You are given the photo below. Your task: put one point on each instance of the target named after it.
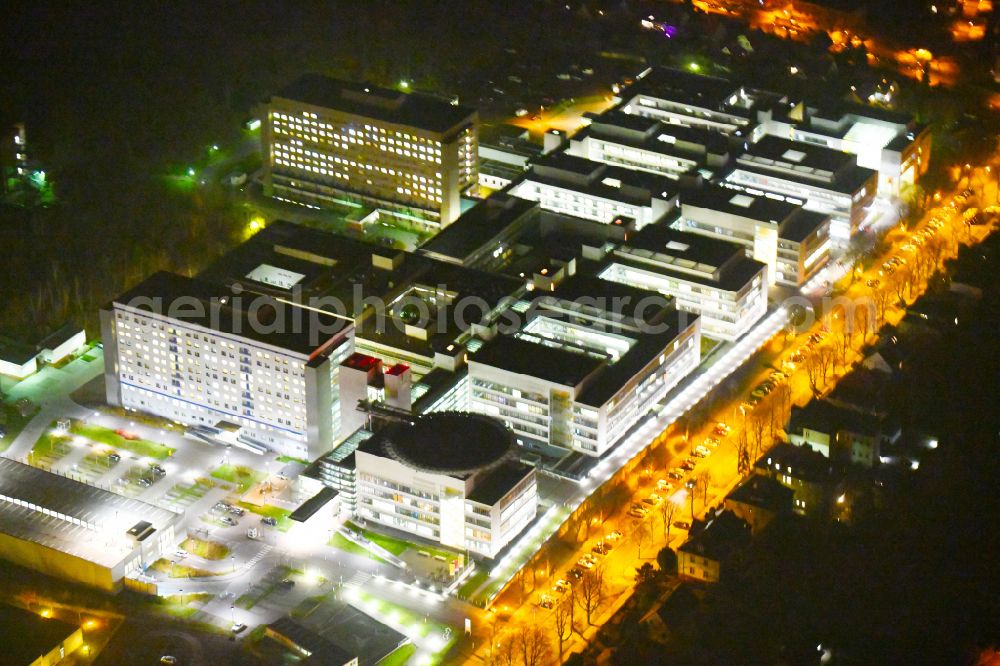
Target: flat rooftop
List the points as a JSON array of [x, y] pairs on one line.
[[490, 219], [651, 134], [214, 307], [415, 110], [690, 257], [734, 202], [678, 85], [493, 485], [89, 522], [798, 155], [29, 636], [802, 224], [551, 364], [601, 180]]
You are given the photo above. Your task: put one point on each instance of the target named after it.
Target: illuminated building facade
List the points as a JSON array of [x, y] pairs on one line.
[[448, 477], [592, 359], [327, 141], [194, 353]]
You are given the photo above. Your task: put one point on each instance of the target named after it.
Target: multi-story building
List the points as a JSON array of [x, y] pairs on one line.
[[712, 278], [887, 141], [758, 501], [603, 193], [648, 144], [684, 98], [842, 434], [504, 154], [589, 361], [792, 242], [327, 140], [810, 475], [708, 550], [448, 477], [820, 179], [201, 355]]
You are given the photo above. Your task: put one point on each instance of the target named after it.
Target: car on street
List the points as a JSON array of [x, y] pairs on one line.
[[721, 429], [682, 524], [268, 520], [114, 457], [676, 475], [561, 586], [601, 548], [702, 451], [585, 563], [238, 627], [637, 512], [614, 535], [144, 482], [545, 602], [576, 573], [228, 520], [236, 511], [711, 441], [168, 659], [750, 402], [652, 500], [688, 465]]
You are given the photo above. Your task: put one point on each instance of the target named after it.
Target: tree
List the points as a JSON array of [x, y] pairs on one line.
[[882, 298], [563, 620], [815, 371], [667, 510], [532, 644], [667, 559], [703, 482], [504, 650], [742, 442], [756, 426], [641, 532], [591, 587], [646, 573]]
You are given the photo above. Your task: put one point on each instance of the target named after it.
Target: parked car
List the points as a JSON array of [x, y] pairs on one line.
[[545, 602], [114, 458], [702, 451], [721, 429], [687, 465], [601, 548], [561, 586], [585, 563], [228, 520], [268, 520], [145, 482], [576, 573], [236, 511], [238, 627], [682, 524], [652, 500], [676, 475], [711, 441], [168, 659], [636, 512], [614, 535], [287, 584]]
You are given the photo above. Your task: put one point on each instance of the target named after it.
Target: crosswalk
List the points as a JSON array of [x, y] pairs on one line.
[[265, 549], [359, 579]]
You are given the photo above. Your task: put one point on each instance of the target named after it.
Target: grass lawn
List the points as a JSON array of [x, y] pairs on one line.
[[50, 446], [140, 447], [181, 605], [400, 656], [290, 459], [179, 570], [473, 583], [243, 477], [395, 546], [707, 345], [210, 550], [340, 542], [270, 511]]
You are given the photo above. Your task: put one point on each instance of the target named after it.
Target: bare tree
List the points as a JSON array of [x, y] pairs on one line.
[[756, 427], [742, 442], [881, 298], [591, 587], [532, 643], [703, 482], [641, 533], [816, 370], [563, 620], [504, 650], [667, 510]]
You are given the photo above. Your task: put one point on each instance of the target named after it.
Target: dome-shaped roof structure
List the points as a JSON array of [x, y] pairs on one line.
[[455, 443]]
